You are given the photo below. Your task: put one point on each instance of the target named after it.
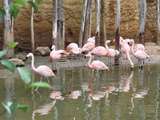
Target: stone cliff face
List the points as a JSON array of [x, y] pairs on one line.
[[73, 9]]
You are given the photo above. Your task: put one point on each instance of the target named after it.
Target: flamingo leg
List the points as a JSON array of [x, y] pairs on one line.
[[129, 58]]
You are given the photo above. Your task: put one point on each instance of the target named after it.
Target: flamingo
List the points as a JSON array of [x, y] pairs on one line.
[[136, 46], [57, 54], [110, 51], [73, 48], [125, 50], [42, 70], [89, 45], [91, 39], [96, 64], [99, 51], [141, 55]]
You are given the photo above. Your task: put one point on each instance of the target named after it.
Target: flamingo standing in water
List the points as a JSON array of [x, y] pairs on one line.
[[42, 70], [89, 45], [140, 54], [57, 54], [111, 53], [136, 46], [125, 50], [96, 64], [73, 48]]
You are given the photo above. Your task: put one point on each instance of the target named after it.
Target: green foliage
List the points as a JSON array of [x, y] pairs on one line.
[[22, 107], [3, 53], [35, 4], [2, 12], [11, 107], [8, 65], [25, 74], [20, 3], [12, 45], [14, 10], [16, 6], [40, 85]]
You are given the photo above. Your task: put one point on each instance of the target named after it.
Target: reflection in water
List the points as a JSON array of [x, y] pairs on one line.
[[119, 94], [43, 110], [9, 97]]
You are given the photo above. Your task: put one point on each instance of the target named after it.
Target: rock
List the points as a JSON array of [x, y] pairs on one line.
[[150, 44], [21, 56], [43, 51], [17, 61]]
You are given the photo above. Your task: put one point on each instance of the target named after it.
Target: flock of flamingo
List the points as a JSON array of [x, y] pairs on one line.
[[127, 48]]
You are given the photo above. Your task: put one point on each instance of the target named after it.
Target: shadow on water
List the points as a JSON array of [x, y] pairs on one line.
[[118, 94]]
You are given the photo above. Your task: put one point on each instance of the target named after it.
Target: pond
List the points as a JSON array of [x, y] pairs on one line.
[[118, 94]]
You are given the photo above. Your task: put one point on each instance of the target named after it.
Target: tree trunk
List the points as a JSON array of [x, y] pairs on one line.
[[102, 24], [58, 25], [98, 21], [117, 35], [32, 30], [158, 22], [142, 17], [8, 28], [85, 22]]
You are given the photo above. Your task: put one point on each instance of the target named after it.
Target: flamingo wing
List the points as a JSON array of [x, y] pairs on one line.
[[100, 51], [44, 71], [99, 65]]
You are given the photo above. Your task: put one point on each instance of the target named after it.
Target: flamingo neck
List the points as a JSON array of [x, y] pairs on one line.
[[54, 49], [89, 61], [106, 46], [132, 49], [32, 63]]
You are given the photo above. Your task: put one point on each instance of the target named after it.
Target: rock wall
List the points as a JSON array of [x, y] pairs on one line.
[[73, 10]]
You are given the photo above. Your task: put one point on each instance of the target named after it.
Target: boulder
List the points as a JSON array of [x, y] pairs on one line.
[[17, 61], [43, 51]]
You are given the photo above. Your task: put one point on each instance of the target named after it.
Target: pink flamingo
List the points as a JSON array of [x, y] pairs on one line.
[[136, 46], [125, 50], [91, 39], [111, 52], [99, 51], [73, 48], [57, 54], [96, 64], [89, 45], [140, 54], [42, 70]]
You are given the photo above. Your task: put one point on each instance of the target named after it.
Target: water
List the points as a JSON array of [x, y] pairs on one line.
[[129, 95]]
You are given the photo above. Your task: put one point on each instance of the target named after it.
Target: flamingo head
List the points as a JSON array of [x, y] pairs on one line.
[[117, 52], [107, 42], [53, 47], [91, 39], [89, 55], [29, 55], [130, 41]]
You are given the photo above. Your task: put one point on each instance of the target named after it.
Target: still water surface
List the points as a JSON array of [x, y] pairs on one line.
[[118, 94]]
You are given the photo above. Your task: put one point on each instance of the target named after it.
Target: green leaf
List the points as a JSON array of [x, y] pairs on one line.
[[12, 44], [25, 74], [22, 107], [8, 65], [3, 53], [20, 2], [14, 10], [2, 12], [40, 85], [34, 5], [10, 107]]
